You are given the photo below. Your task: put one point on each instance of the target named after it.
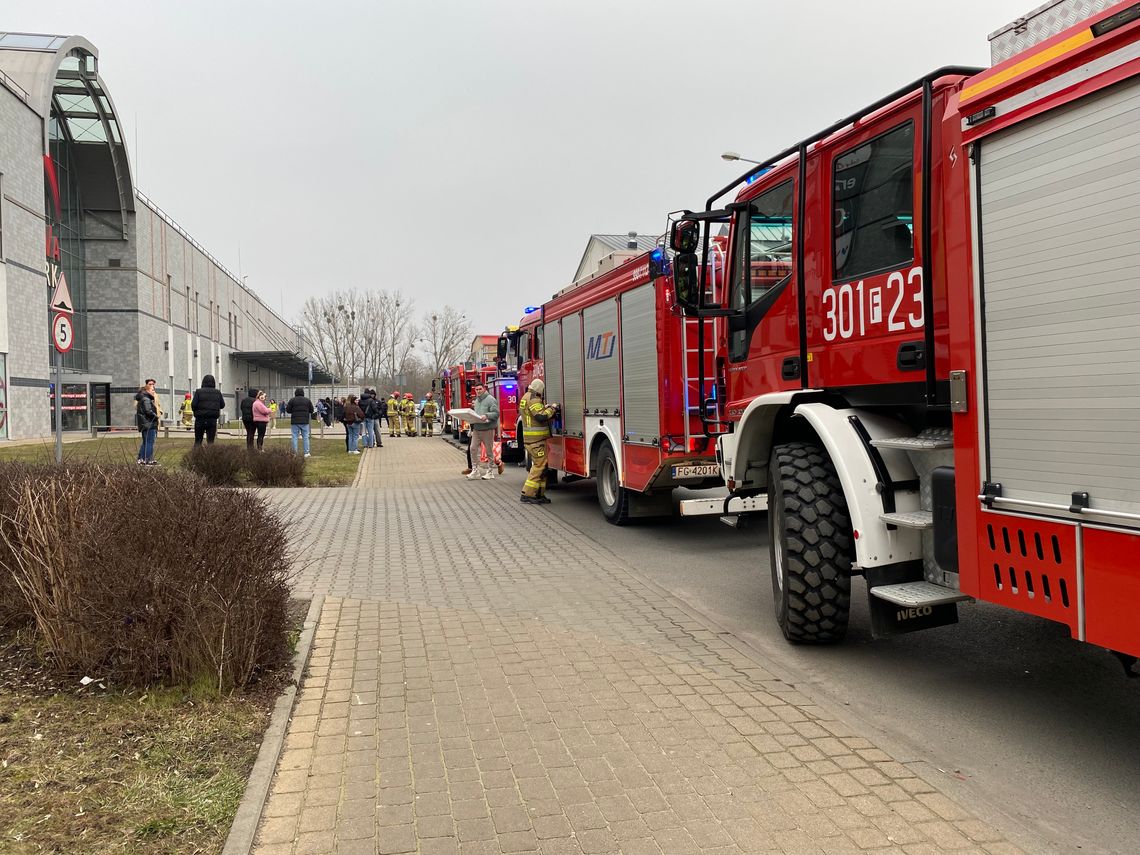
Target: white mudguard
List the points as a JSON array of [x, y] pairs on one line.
[[875, 544]]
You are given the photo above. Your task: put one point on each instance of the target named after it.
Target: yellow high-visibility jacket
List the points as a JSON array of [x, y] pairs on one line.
[[536, 417]]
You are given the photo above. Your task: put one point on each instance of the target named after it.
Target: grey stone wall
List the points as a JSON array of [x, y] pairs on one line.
[[24, 336]]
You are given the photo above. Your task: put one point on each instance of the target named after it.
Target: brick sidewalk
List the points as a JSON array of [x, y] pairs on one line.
[[458, 701]]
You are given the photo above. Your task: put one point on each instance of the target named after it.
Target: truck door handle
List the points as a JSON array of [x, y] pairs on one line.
[[790, 370], [912, 356]]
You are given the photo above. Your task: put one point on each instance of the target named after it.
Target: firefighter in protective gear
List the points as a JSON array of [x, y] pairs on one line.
[[394, 414], [408, 411], [428, 414], [536, 418]]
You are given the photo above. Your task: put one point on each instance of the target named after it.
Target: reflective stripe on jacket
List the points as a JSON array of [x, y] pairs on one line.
[[393, 407], [536, 416]]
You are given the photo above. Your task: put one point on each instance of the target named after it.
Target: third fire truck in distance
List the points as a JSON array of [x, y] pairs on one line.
[[458, 384], [611, 349], [941, 389]]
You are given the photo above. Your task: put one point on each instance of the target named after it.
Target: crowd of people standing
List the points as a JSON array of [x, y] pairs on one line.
[[361, 416]]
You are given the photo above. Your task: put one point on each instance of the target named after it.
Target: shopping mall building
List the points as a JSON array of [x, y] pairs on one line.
[[148, 300]]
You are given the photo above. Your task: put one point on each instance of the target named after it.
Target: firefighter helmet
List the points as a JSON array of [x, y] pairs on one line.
[[409, 395]]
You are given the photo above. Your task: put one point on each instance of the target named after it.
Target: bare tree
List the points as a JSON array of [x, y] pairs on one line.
[[445, 335], [395, 311], [330, 326]]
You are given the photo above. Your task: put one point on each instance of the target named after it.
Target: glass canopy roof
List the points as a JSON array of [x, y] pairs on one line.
[[81, 103], [30, 41]]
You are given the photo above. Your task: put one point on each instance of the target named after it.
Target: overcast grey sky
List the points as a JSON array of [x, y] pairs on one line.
[[463, 151]]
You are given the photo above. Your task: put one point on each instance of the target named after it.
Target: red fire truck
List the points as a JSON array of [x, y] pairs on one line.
[[608, 348], [906, 366], [458, 383]]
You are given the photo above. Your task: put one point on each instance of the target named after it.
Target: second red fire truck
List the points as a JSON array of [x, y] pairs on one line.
[[611, 349]]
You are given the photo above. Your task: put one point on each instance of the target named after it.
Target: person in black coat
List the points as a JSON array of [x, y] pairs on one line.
[[146, 420], [207, 405], [247, 416]]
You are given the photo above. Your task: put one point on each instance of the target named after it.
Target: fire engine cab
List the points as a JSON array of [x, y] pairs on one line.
[[926, 348]]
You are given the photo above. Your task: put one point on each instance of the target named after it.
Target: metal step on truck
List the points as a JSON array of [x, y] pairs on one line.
[[941, 389]]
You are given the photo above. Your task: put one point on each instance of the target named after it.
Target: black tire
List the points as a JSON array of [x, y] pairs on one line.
[[613, 498], [812, 548]]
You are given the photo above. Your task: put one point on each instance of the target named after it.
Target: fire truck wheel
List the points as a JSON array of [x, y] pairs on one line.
[[612, 497], [809, 533]]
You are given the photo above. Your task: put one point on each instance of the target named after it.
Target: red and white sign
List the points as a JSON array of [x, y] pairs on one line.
[[62, 332], [61, 297]]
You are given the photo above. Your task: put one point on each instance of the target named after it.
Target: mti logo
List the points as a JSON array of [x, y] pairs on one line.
[[601, 346]]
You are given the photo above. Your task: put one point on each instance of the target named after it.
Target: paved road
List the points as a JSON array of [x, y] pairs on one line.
[[1017, 715], [487, 678]]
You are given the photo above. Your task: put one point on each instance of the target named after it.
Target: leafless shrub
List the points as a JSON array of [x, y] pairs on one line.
[[146, 576], [276, 467], [220, 464]]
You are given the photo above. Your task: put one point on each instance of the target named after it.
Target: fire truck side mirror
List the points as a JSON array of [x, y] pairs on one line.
[[684, 236], [501, 349], [685, 280]]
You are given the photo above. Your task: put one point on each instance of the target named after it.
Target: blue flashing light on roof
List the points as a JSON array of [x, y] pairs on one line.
[[657, 254], [758, 175], [530, 309]]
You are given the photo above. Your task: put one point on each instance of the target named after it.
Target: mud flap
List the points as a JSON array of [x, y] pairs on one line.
[[889, 619]]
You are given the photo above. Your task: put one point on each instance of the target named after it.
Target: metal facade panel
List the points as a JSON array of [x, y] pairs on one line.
[[603, 377], [1043, 22], [552, 362], [640, 392], [1058, 202], [573, 423]]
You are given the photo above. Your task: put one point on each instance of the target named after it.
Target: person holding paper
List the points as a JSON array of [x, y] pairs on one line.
[[483, 427]]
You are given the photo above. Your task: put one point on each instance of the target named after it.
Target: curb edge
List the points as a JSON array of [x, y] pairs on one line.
[[247, 819]]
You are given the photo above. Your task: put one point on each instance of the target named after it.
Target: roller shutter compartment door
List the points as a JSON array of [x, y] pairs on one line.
[[573, 422], [552, 361], [640, 409], [1059, 221], [601, 363]]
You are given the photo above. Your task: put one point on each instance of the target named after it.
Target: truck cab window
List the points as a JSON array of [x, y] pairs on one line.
[[873, 187], [763, 258]]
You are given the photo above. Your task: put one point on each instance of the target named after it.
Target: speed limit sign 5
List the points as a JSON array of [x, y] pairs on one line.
[[62, 332]]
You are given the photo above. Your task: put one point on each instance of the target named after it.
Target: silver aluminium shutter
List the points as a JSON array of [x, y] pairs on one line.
[[573, 423], [552, 361], [640, 407], [1059, 201], [602, 373]]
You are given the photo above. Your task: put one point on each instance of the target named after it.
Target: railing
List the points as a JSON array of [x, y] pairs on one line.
[[16, 88], [170, 221]]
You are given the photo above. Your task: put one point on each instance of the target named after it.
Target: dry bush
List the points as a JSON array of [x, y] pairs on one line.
[[221, 464], [276, 467], [14, 611], [146, 575]]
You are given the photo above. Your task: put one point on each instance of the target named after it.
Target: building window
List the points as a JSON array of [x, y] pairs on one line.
[[873, 204]]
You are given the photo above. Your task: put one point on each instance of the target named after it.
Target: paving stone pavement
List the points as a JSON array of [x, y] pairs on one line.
[[487, 679]]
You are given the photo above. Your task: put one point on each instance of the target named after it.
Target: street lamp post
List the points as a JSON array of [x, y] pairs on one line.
[[732, 155]]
